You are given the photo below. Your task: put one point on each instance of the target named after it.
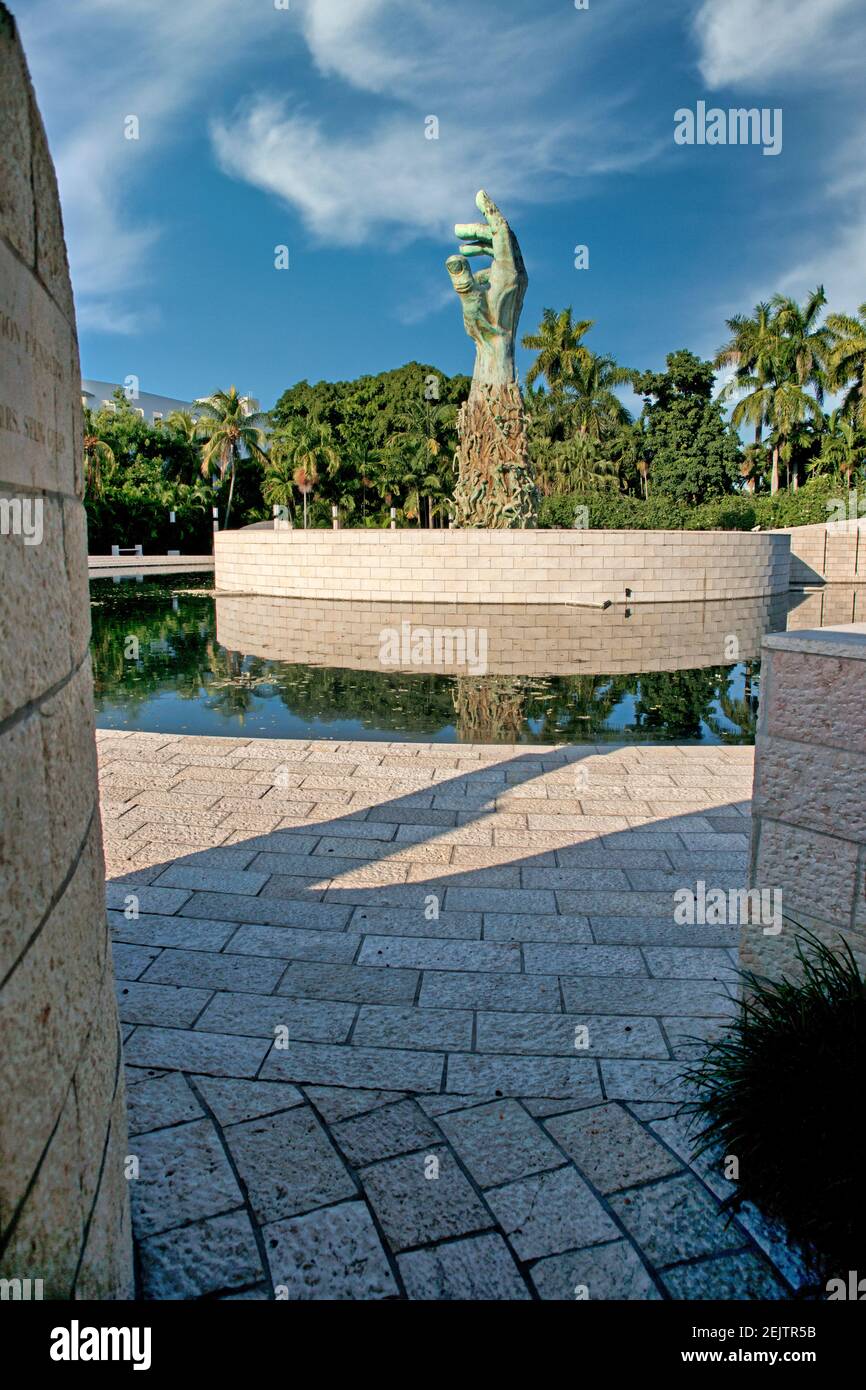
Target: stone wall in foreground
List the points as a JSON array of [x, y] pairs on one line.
[[454, 566], [809, 800], [64, 1213]]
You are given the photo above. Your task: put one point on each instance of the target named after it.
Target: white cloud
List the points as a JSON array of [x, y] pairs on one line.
[[752, 41], [500, 126], [93, 64]]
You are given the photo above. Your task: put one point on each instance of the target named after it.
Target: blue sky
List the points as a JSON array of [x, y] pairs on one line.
[[263, 124]]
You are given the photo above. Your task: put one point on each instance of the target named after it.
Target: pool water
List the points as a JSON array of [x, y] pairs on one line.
[[159, 666]]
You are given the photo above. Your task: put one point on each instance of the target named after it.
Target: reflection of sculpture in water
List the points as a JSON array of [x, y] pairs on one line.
[[495, 485], [490, 709]]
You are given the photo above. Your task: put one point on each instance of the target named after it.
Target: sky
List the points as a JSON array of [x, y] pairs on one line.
[[305, 125]]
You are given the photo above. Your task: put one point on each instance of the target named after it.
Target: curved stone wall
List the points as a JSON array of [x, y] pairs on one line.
[[518, 639], [64, 1212], [451, 566]]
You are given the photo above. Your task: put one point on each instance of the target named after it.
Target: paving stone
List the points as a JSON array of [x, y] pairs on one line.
[[277, 912], [509, 927], [183, 1175], [333, 1253], [441, 1105], [164, 1004], [501, 900], [646, 931], [625, 1079], [687, 998], [233, 1100], [213, 970], [258, 1015], [339, 1102], [152, 929], [674, 1220], [379, 1068], [541, 959], [205, 1258], [441, 1030], [209, 880], [554, 1035], [132, 961], [387, 921], [161, 900], [743, 1276], [689, 1037], [353, 983], [295, 943], [469, 990], [611, 1148], [592, 879], [287, 1164], [549, 1213], [214, 1054], [689, 963], [499, 1141], [479, 1269], [418, 1201], [384, 1132], [523, 1076], [160, 1101], [604, 1272], [434, 954]]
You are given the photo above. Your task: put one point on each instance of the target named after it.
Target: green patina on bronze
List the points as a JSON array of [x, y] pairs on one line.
[[495, 484]]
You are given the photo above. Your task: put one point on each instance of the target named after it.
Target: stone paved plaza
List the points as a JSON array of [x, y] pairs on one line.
[[408, 1020]]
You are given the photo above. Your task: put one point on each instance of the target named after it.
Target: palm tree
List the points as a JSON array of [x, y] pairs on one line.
[[581, 464], [560, 349], [847, 365], [183, 424], [594, 407], [99, 461], [232, 429], [842, 447], [278, 482], [420, 442], [751, 351], [305, 478], [792, 406]]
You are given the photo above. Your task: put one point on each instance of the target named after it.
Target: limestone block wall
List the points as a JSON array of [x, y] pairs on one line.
[[833, 552], [455, 566], [64, 1214], [809, 800]]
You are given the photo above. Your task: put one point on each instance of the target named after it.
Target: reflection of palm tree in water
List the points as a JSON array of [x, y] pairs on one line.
[[489, 709], [742, 712]]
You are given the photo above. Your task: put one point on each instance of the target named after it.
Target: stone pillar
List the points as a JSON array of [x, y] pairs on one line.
[[64, 1209], [809, 799]]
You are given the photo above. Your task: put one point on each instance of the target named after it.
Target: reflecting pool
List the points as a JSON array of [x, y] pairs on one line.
[[169, 657]]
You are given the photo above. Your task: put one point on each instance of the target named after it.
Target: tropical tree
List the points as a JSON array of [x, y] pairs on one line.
[[847, 362], [752, 351], [232, 429], [593, 405], [561, 351], [99, 460], [305, 478], [843, 447], [692, 451], [792, 407], [421, 440]]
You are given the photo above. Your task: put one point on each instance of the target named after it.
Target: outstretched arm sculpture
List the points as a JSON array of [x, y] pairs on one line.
[[495, 486]]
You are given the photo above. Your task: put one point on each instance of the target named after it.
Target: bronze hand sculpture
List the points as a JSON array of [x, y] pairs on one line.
[[494, 484]]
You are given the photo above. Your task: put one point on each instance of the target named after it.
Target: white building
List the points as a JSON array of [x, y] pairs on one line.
[[98, 394]]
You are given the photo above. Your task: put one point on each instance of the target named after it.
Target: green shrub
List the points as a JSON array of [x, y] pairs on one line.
[[779, 1091], [740, 511]]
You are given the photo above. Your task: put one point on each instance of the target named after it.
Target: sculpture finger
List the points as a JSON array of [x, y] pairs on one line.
[[476, 248], [461, 275], [473, 231], [499, 230]]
